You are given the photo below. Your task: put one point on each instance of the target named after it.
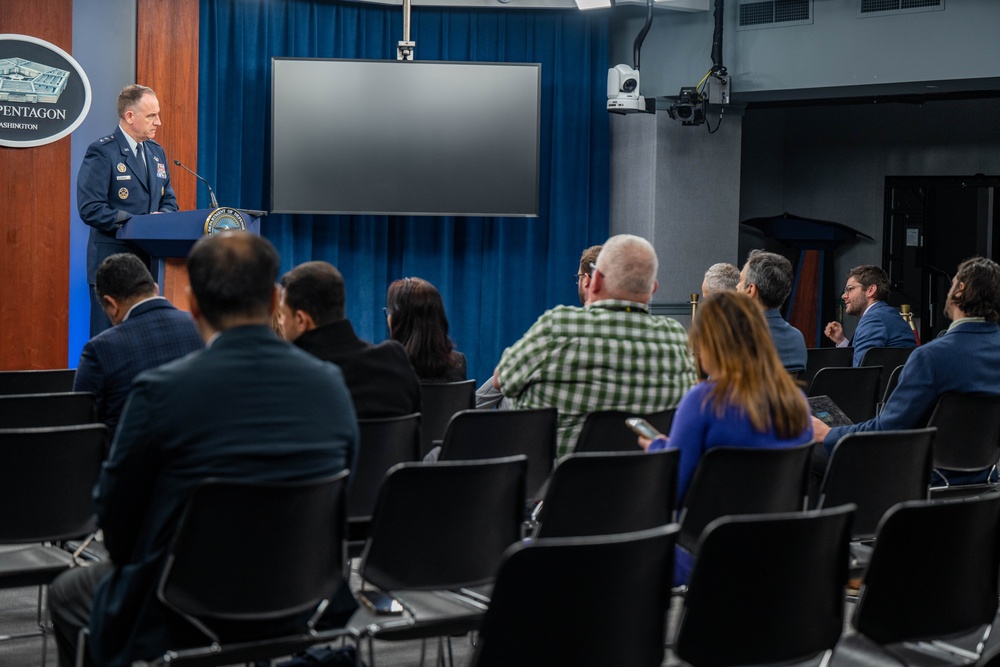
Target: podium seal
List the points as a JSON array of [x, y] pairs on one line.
[[224, 219]]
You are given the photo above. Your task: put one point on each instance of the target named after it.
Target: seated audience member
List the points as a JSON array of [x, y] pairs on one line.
[[147, 331], [748, 400], [488, 396], [767, 279], [380, 377], [609, 355], [249, 407], [417, 320], [880, 325], [721, 277], [966, 359]]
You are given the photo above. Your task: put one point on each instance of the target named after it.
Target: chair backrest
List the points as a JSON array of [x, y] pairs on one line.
[[47, 476], [44, 410], [888, 358], [605, 430], [603, 493], [876, 470], [742, 480], [890, 385], [728, 620], [580, 601], [968, 431], [854, 390], [248, 550], [36, 382], [825, 357], [487, 434], [933, 571], [444, 524], [384, 443], [439, 401]]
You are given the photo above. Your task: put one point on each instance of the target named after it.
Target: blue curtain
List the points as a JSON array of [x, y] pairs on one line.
[[496, 275]]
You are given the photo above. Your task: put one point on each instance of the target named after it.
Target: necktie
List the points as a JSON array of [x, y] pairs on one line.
[[141, 150]]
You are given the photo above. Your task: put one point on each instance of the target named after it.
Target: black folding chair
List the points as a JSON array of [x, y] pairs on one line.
[[606, 431], [47, 476], [854, 390], [968, 438], [825, 357], [37, 382], [599, 600], [484, 434], [888, 358], [221, 572], [741, 480], [890, 386], [604, 493], [45, 410], [726, 620], [439, 529], [438, 404], [384, 443], [932, 579]]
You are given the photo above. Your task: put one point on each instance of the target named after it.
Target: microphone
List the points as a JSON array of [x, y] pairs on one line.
[[215, 203]]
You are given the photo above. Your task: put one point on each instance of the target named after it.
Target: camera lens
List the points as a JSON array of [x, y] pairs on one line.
[[684, 112], [629, 85]]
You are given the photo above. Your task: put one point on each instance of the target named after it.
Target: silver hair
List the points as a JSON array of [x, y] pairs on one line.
[[628, 264]]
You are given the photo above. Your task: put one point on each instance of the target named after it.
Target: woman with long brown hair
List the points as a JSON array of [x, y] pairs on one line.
[[748, 400], [416, 317]]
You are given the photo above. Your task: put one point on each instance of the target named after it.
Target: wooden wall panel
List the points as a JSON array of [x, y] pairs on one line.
[[34, 219], [167, 62]]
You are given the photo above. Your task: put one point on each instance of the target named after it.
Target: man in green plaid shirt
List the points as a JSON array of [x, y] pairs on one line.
[[609, 355]]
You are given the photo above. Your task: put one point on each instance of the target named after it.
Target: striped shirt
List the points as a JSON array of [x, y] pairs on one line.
[[609, 355]]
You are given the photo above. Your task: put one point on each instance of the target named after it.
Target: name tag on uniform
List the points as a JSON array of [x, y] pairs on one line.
[[161, 170], [126, 177]]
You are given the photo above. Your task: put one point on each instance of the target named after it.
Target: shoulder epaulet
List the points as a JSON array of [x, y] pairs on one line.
[[104, 140]]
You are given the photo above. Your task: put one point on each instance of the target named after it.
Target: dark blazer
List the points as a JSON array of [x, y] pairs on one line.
[[966, 359], [788, 341], [380, 377], [881, 326], [154, 333], [112, 186], [249, 406]]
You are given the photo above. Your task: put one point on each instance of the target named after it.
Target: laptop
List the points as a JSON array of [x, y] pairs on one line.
[[828, 412]]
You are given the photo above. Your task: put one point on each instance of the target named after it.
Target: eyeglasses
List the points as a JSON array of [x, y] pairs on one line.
[[850, 288], [593, 267], [385, 312], [579, 276]]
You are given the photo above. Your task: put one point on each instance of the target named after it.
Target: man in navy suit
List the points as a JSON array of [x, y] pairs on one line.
[[966, 359], [880, 325], [148, 331], [767, 279], [250, 406], [123, 174]]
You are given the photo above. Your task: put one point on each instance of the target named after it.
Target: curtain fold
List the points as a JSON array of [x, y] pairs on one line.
[[496, 275]]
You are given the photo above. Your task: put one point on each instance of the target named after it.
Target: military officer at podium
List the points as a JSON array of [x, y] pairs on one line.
[[123, 174]]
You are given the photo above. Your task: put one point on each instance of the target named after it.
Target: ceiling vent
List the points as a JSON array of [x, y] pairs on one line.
[[774, 13], [882, 7]]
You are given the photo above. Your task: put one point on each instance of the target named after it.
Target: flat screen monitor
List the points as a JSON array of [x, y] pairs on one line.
[[405, 137]]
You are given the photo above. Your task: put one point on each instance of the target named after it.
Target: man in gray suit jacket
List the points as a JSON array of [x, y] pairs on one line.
[[250, 406], [148, 331]]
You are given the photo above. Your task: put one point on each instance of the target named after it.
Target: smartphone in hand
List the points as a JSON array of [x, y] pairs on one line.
[[642, 427]]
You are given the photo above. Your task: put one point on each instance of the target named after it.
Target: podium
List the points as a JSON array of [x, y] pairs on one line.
[[167, 238]]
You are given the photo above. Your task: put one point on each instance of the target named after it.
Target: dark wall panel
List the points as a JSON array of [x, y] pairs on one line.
[[34, 227]]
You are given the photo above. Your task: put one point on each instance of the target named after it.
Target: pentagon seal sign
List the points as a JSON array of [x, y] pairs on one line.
[[224, 219], [44, 93]]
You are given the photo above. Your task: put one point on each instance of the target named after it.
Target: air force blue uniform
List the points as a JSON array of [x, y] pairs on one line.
[[112, 186]]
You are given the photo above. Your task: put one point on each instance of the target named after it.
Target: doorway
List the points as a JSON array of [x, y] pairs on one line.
[[931, 224]]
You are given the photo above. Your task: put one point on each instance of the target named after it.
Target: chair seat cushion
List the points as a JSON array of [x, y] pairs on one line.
[[33, 565]]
